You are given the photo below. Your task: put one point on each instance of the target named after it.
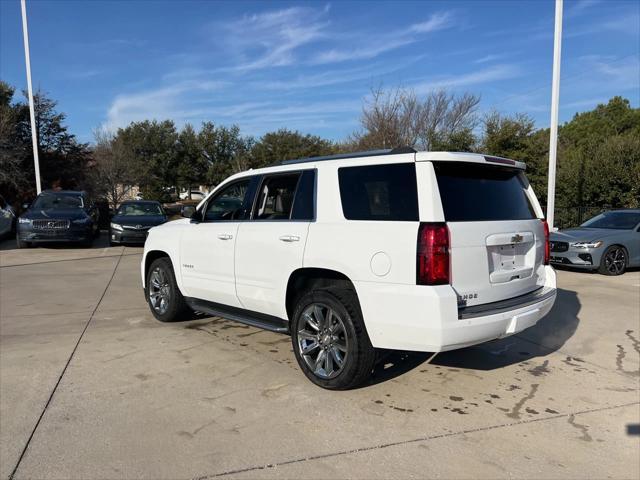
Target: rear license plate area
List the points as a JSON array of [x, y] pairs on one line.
[[509, 262]]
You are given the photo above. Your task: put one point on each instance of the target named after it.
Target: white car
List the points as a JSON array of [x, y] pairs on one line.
[[393, 249], [195, 195]]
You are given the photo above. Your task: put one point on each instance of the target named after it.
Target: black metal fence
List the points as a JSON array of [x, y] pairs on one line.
[[567, 217]]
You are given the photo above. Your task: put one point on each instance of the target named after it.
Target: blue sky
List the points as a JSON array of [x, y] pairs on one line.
[[309, 65]]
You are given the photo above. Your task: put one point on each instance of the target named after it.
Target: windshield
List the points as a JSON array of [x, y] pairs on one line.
[[614, 220], [46, 201], [138, 209]]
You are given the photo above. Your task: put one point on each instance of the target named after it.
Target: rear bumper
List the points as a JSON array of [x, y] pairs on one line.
[[419, 318]]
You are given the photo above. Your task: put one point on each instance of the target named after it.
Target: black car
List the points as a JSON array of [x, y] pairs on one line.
[[58, 216], [133, 219]]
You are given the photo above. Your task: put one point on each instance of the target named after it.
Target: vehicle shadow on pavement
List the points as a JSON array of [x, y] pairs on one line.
[[547, 336]]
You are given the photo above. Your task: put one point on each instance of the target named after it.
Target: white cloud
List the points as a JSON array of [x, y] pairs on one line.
[[437, 21], [490, 74], [372, 45], [159, 104], [622, 73], [490, 58], [270, 39]]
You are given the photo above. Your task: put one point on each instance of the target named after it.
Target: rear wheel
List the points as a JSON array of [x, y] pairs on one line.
[[330, 341], [163, 295], [613, 261]]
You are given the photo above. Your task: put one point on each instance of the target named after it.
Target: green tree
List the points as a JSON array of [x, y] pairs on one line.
[[288, 145], [13, 150], [599, 157], [152, 149], [63, 160], [515, 137], [191, 160], [226, 150]]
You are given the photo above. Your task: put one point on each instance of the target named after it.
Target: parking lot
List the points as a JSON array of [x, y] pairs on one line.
[[91, 386]]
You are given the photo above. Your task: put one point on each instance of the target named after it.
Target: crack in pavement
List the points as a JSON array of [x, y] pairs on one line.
[[64, 370], [571, 416]]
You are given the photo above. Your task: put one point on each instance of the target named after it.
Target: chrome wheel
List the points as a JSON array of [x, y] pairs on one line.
[[159, 290], [615, 261], [322, 340]]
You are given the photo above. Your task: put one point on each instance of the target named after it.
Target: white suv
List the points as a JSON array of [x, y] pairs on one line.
[[394, 249]]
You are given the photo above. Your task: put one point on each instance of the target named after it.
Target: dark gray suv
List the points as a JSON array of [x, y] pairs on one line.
[[58, 216]]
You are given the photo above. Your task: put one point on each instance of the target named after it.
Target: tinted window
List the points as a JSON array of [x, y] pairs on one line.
[[379, 192], [614, 220], [228, 203], [275, 197], [304, 203], [472, 192]]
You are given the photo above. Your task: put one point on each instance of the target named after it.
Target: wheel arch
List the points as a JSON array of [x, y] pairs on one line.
[[304, 279], [151, 257]]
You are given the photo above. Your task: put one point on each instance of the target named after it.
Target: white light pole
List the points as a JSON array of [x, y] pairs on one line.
[[555, 100], [34, 132]]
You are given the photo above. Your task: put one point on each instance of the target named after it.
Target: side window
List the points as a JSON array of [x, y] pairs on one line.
[[228, 204], [304, 203], [275, 197], [379, 192]]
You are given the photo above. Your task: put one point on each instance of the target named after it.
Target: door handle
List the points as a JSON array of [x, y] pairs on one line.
[[225, 236], [289, 238]]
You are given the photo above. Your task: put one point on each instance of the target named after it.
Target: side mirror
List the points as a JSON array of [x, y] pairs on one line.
[[188, 211]]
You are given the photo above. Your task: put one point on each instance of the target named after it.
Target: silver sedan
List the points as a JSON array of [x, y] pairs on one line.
[[609, 243]]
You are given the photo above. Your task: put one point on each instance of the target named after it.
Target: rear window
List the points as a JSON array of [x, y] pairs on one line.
[[379, 192], [472, 193]]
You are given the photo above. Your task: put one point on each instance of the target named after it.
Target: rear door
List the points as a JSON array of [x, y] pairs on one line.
[[271, 245], [497, 239]]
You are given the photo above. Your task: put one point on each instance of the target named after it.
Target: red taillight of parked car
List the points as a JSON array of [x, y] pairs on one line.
[[433, 254], [547, 249]]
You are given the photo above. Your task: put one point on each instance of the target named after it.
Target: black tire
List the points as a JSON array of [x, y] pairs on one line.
[[614, 261], [21, 243], [177, 308], [360, 356]]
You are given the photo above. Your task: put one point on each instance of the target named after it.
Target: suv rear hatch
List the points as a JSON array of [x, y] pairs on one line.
[[496, 239]]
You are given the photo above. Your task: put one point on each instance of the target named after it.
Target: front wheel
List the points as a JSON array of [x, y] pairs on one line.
[[21, 243], [330, 341], [613, 261], [163, 295]]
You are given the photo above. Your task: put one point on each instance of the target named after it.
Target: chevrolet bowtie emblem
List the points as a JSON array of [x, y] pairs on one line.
[[517, 238]]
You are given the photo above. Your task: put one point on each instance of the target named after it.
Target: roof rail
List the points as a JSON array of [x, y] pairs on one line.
[[370, 153]]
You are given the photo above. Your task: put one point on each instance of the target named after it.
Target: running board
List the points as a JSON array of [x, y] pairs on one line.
[[248, 317]]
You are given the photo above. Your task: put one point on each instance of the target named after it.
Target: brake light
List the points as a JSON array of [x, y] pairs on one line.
[[433, 254], [547, 249]]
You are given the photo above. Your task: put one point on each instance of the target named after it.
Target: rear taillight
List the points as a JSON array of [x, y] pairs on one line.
[[547, 250], [433, 254]]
